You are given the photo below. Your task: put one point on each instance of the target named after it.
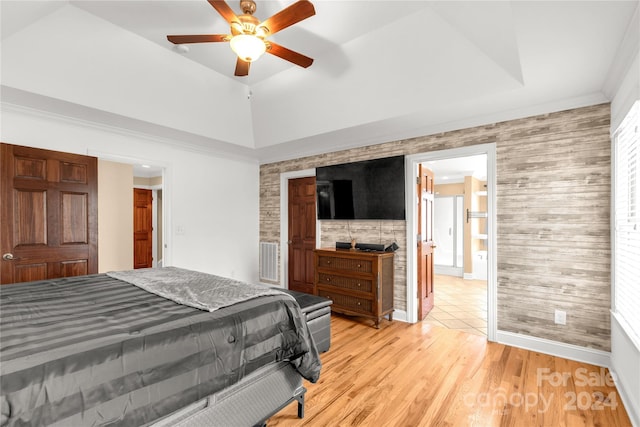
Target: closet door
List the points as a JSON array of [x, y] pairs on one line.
[[49, 214]]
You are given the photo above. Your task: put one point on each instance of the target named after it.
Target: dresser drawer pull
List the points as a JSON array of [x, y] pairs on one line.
[[359, 303], [359, 266], [328, 262], [359, 285], [328, 279]]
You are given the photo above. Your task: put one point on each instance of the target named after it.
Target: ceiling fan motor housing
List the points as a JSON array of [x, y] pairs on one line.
[[246, 24], [248, 34]]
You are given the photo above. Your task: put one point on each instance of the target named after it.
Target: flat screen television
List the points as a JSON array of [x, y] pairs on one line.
[[370, 189]]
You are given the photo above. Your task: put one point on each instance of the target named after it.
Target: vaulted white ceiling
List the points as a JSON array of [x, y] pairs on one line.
[[383, 70]]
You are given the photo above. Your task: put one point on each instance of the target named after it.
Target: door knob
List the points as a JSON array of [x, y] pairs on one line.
[[8, 257]]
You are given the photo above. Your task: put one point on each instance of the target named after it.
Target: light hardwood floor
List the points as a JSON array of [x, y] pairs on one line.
[[424, 375]]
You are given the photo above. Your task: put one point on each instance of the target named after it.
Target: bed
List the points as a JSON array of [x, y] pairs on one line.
[[98, 350]]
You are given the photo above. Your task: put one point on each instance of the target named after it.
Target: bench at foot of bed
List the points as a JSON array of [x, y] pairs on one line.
[[317, 311]]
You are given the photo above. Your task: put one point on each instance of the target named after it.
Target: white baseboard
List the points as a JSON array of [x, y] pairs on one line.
[[556, 348], [400, 315], [632, 408], [468, 276], [448, 271], [625, 367]]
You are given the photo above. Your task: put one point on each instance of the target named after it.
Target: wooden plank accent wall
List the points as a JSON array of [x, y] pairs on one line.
[[553, 227]]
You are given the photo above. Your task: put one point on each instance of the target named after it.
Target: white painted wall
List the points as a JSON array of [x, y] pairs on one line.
[[214, 200], [625, 353]]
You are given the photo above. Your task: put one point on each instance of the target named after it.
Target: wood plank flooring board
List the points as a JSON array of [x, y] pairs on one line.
[[420, 375]]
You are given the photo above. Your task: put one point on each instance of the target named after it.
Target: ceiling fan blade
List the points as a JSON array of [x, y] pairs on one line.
[[203, 38], [298, 11], [242, 68], [224, 10], [289, 55]]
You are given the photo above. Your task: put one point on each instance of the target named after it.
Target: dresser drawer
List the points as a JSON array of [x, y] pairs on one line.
[[364, 285], [359, 283], [347, 302], [346, 264]]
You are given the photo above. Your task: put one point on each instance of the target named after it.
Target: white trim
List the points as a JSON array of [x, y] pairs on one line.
[[205, 145], [284, 221], [621, 64], [317, 145], [467, 276], [448, 270], [411, 165], [633, 411], [154, 228], [399, 315], [555, 348]]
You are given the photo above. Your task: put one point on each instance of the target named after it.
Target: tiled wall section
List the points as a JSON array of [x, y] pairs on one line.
[[553, 195]]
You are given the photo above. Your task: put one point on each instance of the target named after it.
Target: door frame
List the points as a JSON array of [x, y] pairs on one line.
[[411, 166], [284, 221], [154, 219]]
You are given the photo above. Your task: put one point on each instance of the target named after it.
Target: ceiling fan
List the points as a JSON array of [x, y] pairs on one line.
[[248, 37]]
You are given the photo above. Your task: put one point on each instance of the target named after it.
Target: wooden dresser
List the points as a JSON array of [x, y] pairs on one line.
[[359, 283]]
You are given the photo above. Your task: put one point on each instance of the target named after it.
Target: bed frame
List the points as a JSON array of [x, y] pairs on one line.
[[259, 396], [250, 402]]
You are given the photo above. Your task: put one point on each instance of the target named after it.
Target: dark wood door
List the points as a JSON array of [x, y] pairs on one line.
[[49, 213], [302, 233], [426, 246], [142, 228]]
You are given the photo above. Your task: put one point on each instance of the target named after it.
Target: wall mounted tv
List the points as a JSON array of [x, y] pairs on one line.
[[370, 189]]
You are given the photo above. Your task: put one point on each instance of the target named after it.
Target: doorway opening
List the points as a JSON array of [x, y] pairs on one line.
[[463, 239], [151, 175]]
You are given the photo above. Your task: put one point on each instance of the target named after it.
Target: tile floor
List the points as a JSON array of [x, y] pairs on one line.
[[459, 304]]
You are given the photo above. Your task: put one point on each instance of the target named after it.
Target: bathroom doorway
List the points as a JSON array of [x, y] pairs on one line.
[[464, 238]]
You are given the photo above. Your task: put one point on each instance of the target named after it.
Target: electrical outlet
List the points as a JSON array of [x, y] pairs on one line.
[[560, 317]]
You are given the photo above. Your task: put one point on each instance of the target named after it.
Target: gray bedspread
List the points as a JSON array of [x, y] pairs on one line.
[[193, 288], [95, 350]]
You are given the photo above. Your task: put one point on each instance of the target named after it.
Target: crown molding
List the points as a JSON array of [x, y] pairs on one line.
[[30, 104], [624, 57]]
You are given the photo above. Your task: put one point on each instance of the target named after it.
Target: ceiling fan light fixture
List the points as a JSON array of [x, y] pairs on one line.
[[248, 47]]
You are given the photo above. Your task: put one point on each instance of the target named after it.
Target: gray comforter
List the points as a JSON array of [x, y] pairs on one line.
[[95, 350], [193, 288]]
